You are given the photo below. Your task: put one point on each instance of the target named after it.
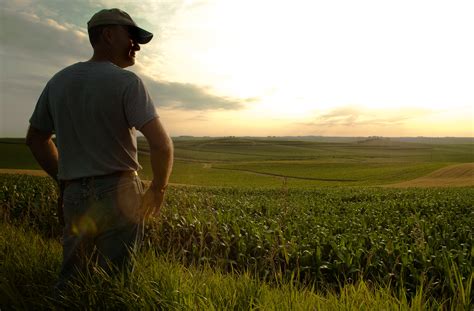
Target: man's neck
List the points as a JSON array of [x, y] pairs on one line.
[[102, 55], [100, 58]]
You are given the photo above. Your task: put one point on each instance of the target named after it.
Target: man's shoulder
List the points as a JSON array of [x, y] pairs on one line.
[[101, 70], [63, 71], [72, 67], [113, 72]]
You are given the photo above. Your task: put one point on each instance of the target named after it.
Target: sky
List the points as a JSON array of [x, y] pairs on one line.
[[264, 68]]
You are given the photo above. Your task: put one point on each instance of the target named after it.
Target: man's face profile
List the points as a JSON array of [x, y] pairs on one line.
[[125, 46], [121, 45]]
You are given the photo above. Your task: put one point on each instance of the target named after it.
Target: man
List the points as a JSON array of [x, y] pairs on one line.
[[93, 108]]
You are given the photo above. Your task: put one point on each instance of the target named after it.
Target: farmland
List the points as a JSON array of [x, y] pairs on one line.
[[454, 175], [273, 163], [304, 218]]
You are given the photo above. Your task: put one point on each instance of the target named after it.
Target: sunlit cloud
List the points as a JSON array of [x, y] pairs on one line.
[[198, 118], [353, 116], [187, 96]]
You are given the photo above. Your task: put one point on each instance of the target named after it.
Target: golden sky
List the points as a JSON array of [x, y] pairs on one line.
[[258, 68]]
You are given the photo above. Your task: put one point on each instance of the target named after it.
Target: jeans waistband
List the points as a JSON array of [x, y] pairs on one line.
[[99, 177]]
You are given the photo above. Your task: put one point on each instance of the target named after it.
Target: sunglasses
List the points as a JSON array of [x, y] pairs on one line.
[[132, 31]]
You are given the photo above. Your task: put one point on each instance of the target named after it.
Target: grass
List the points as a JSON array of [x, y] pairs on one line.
[[340, 173], [30, 264], [192, 173]]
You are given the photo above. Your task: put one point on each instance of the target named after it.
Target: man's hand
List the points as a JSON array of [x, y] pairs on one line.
[[152, 202], [161, 159]]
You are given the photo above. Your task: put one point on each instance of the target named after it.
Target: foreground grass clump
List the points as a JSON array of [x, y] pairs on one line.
[[321, 238], [30, 262]]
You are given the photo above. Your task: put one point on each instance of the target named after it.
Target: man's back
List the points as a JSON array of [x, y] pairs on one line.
[[94, 108]]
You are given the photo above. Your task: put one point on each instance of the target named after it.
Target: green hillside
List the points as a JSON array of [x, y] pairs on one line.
[[271, 162]]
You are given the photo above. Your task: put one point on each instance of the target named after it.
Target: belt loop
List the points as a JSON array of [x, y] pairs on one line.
[[93, 185]]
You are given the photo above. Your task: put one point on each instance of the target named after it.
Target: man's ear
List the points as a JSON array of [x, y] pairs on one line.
[[108, 35]]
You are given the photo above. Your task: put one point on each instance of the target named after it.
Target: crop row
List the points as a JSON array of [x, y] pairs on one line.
[[402, 237]]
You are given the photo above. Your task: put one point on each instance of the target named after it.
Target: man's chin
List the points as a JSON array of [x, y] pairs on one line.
[[130, 62]]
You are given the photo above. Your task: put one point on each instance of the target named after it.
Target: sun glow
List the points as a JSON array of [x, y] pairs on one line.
[[308, 57], [246, 67]]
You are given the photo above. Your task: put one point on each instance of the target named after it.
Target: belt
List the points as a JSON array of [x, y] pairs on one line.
[[99, 177]]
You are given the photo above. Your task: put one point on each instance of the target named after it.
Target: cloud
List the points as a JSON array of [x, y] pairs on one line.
[[35, 46], [187, 96], [352, 116], [28, 37], [199, 118]]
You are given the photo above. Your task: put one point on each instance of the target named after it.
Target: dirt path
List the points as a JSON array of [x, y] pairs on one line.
[[282, 176], [459, 175]]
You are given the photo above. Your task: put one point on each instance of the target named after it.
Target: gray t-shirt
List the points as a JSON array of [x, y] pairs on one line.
[[94, 109]]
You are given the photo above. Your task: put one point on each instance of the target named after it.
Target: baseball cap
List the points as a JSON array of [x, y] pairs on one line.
[[118, 17]]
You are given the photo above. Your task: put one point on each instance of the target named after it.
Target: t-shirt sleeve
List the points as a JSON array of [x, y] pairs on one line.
[[41, 118], [138, 105]]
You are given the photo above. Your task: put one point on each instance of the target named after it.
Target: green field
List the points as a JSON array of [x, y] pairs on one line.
[[270, 163], [266, 223]]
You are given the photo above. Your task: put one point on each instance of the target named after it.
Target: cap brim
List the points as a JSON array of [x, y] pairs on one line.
[[143, 36]]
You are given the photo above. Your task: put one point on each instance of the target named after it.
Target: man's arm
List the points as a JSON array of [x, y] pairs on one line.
[[44, 150], [161, 156]]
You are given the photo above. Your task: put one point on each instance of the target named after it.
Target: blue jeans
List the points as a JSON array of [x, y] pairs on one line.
[[103, 225]]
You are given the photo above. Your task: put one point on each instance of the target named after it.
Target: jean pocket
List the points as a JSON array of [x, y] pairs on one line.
[[122, 203], [71, 208], [72, 194]]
